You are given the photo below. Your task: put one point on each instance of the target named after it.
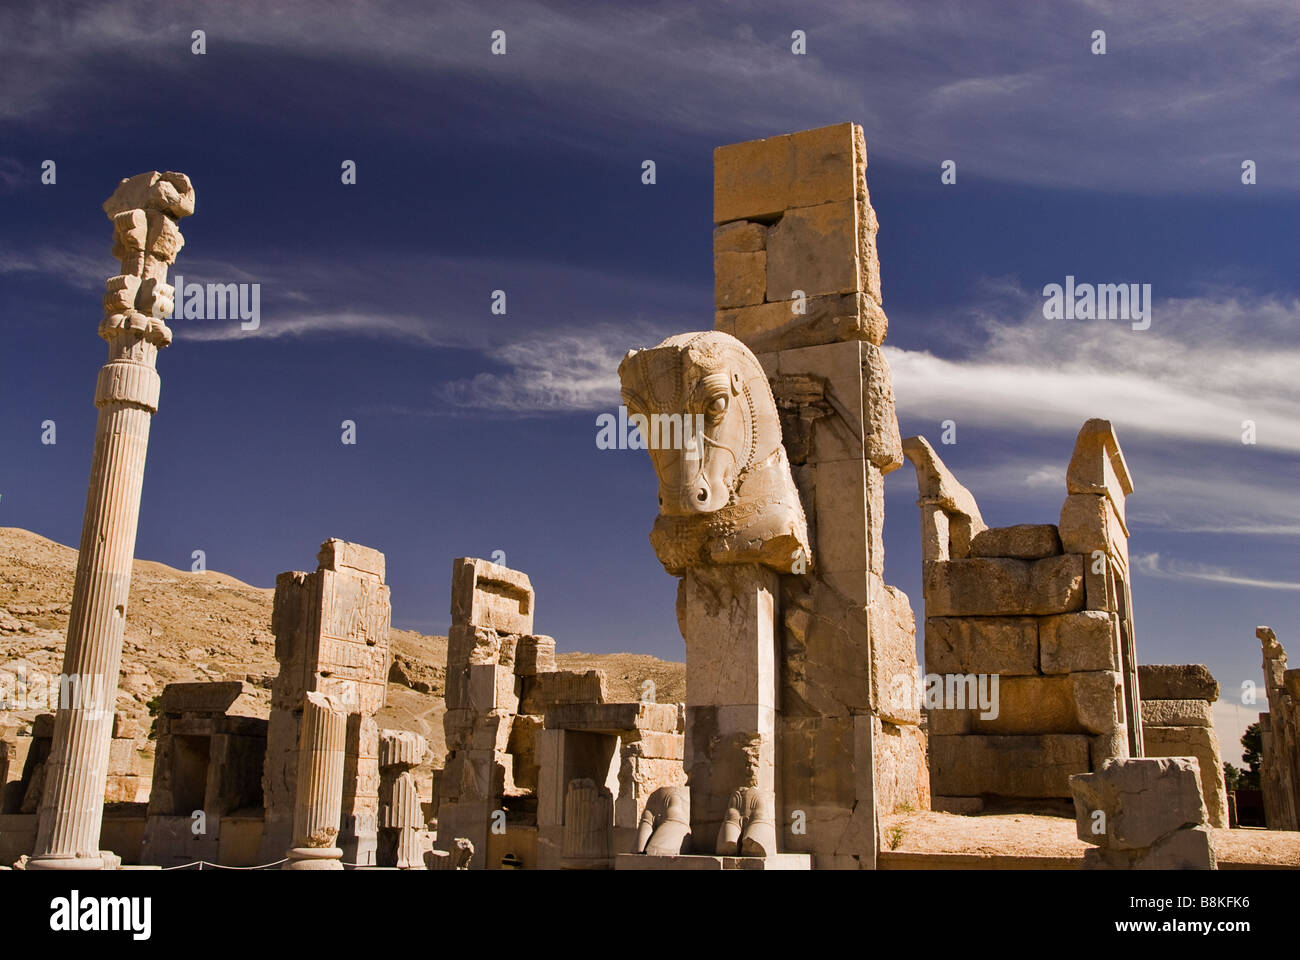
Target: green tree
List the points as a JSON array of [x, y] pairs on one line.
[[1252, 747]]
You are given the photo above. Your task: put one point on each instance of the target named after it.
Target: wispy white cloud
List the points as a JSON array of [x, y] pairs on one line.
[[1152, 565], [1009, 91], [1205, 366]]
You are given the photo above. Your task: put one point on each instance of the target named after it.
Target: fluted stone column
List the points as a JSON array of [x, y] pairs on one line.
[[320, 786], [144, 210]]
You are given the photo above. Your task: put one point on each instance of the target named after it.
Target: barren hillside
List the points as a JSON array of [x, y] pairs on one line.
[[186, 627]]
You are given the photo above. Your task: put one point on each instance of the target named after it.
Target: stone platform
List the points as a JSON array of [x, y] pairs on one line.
[[779, 861]]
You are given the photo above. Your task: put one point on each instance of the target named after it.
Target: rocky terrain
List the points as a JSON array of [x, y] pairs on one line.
[[189, 627]]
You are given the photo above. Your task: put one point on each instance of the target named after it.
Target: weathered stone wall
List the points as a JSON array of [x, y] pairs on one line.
[[1178, 721], [1040, 609], [331, 637], [797, 279], [1280, 728]]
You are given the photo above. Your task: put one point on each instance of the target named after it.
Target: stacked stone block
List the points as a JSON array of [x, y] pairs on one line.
[[331, 637], [797, 279], [1143, 814], [1280, 729], [1041, 609], [1178, 721]]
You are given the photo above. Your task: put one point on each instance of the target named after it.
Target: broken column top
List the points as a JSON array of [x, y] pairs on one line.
[[485, 594], [1272, 646], [340, 555], [1097, 465], [937, 484], [229, 697], [404, 748], [170, 193], [759, 179]]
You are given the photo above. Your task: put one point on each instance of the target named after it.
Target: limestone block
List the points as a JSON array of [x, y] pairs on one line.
[[233, 698], [761, 179], [1006, 766], [1177, 713], [655, 745], [826, 670], [1089, 523], [568, 686], [534, 655], [893, 656], [1031, 705], [1111, 745], [1098, 592], [832, 318], [1097, 466], [741, 236], [945, 722], [489, 595], [1142, 799], [1002, 645], [1099, 700], [728, 619], [984, 586], [614, 717], [123, 760], [902, 773], [352, 558], [868, 258], [884, 445], [1203, 744], [814, 249], [819, 392], [1086, 640], [740, 279], [1025, 541], [1189, 681]]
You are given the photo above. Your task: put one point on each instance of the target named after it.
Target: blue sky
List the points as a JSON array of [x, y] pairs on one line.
[[475, 172]]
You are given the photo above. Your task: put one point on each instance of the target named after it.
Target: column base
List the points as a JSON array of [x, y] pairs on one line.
[[314, 858], [68, 863]]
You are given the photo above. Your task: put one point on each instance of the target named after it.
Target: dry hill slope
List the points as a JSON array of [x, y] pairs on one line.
[[186, 627]]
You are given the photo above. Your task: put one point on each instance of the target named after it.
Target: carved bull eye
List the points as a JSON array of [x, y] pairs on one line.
[[717, 407]]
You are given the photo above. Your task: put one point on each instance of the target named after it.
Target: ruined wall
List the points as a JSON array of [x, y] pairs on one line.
[[1042, 610], [1178, 721], [331, 637], [1280, 727], [797, 280], [211, 744]]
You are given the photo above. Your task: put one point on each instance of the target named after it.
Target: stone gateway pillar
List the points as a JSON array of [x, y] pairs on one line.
[[144, 210]]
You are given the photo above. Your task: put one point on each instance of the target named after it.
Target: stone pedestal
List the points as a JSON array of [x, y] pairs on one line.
[[779, 861], [320, 786], [729, 616], [144, 210]]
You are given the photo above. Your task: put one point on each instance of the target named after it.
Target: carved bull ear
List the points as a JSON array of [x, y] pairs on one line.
[[736, 384]]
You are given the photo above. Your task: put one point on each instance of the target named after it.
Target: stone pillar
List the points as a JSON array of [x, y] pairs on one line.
[[144, 210], [1178, 721], [331, 637], [730, 632], [319, 801], [797, 279], [400, 818]]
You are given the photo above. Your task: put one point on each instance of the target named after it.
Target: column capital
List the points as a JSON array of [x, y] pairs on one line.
[[144, 210]]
